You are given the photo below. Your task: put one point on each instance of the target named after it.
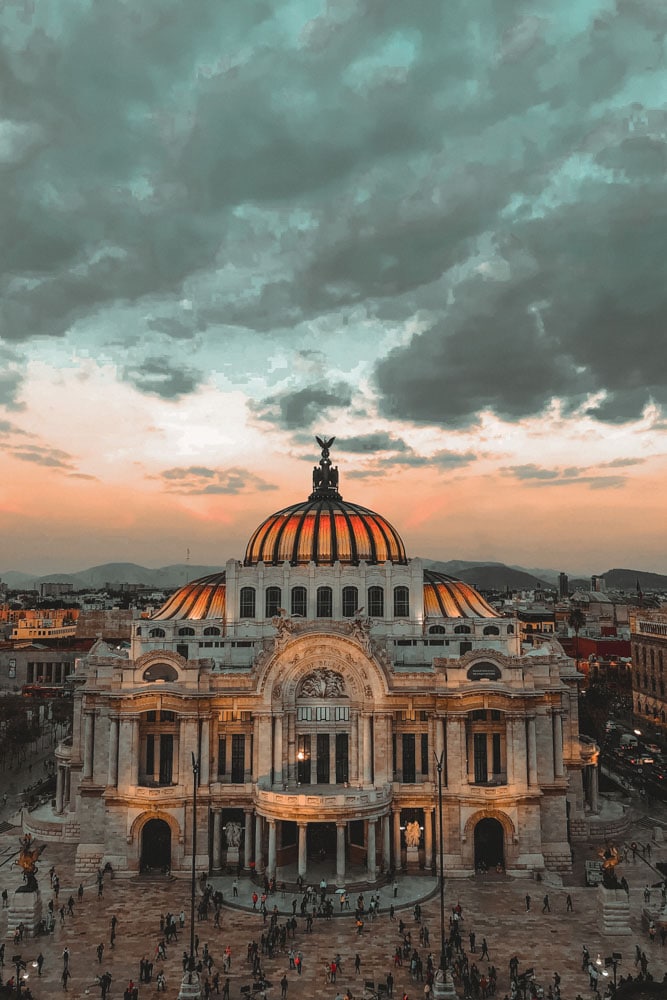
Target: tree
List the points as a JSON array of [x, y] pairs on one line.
[[576, 621]]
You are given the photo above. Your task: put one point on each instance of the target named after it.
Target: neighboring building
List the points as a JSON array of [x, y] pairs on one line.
[[563, 586], [535, 623], [648, 632], [316, 681], [55, 589], [35, 664]]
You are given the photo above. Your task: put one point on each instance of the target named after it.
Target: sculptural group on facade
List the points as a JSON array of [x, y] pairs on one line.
[[322, 683], [412, 834], [233, 835], [28, 857]]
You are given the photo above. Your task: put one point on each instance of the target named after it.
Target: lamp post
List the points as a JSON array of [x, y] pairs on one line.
[[19, 965], [612, 960], [443, 986], [190, 986]]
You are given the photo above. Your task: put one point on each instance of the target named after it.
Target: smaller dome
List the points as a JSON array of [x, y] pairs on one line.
[[203, 598], [446, 597]]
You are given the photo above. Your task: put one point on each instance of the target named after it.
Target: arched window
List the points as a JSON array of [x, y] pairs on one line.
[[211, 630], [510, 629], [401, 602], [272, 602], [350, 601], [247, 608], [376, 602], [437, 630], [186, 630], [463, 630], [299, 604], [156, 633], [160, 672], [324, 602], [491, 630]]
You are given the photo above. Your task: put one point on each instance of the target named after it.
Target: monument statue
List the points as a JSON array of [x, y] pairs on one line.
[[610, 858], [325, 476], [412, 834], [233, 835], [322, 683], [28, 857]]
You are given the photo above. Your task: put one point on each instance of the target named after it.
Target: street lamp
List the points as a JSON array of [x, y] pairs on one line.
[[19, 965], [439, 762], [612, 961], [190, 986]]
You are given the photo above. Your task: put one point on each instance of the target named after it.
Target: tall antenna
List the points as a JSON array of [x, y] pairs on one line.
[[187, 565]]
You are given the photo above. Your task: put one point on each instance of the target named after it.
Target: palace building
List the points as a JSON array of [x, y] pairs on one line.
[[316, 685]]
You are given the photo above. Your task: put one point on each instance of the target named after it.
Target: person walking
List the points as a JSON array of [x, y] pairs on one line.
[[568, 904], [283, 987], [100, 952], [65, 977], [546, 908], [357, 964], [485, 950], [527, 902], [40, 963]]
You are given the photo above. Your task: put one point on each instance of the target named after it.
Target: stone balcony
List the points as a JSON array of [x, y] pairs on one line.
[[323, 803]]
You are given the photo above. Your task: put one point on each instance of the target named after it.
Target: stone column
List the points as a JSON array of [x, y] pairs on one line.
[[464, 750], [259, 846], [125, 752], [558, 744], [112, 778], [367, 750], [340, 853], [303, 851], [594, 787], [532, 751], [271, 871], [370, 854], [278, 750], [428, 838], [263, 750], [135, 752], [205, 761], [217, 839], [60, 782], [354, 747], [397, 839], [88, 732], [247, 841], [386, 843]]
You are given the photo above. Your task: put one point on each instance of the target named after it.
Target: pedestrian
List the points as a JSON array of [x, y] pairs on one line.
[[40, 963], [66, 975], [390, 984], [65, 957], [647, 893], [100, 952], [5, 899], [283, 986], [235, 887], [546, 908], [357, 964], [79, 891], [568, 904], [472, 941], [527, 902], [485, 950]]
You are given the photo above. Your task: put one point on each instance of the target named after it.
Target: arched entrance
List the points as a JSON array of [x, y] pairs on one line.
[[155, 846], [321, 841], [489, 844]]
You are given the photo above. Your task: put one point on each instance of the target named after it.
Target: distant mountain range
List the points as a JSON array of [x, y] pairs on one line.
[[483, 575]]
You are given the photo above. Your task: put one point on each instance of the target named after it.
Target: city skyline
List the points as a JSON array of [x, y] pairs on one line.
[[436, 235]]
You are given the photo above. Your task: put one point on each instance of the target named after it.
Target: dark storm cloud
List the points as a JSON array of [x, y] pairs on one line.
[[52, 458], [301, 407], [535, 475], [200, 480], [158, 377], [494, 171], [377, 441]]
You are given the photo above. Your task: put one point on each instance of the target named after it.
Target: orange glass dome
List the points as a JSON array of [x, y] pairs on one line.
[[203, 598], [446, 597], [325, 529]]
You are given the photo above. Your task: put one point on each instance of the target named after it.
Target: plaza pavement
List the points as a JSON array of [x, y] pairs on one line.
[[493, 906]]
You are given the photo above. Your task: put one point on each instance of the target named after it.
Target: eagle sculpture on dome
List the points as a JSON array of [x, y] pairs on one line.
[[325, 477]]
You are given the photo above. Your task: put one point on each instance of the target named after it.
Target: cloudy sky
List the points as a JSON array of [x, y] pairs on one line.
[[436, 230]]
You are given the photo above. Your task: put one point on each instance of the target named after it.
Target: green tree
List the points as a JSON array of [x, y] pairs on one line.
[[576, 621]]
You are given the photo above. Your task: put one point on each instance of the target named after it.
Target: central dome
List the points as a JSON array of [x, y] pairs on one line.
[[325, 529]]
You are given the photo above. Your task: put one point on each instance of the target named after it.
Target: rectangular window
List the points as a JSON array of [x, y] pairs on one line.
[[464, 647], [479, 751], [342, 758], [409, 769], [342, 713], [303, 760], [49, 673], [150, 755], [425, 761], [273, 601], [322, 758], [304, 713], [376, 602], [59, 673], [495, 749], [30, 678], [166, 758], [222, 755], [238, 758], [182, 649], [393, 754]]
